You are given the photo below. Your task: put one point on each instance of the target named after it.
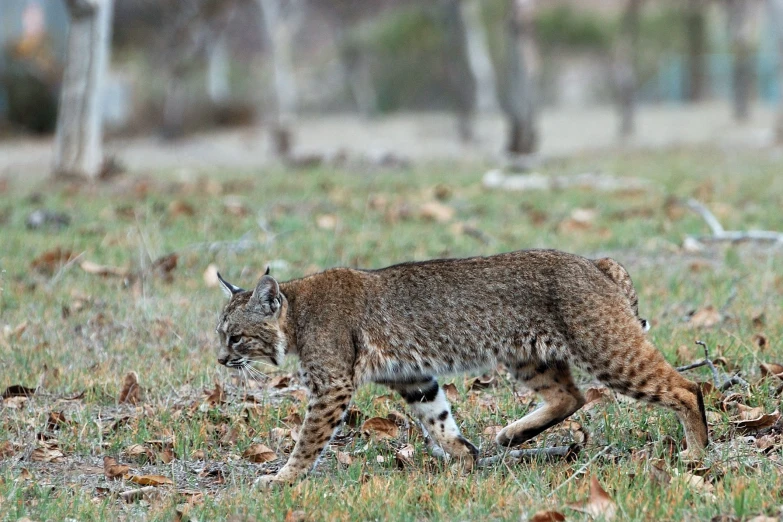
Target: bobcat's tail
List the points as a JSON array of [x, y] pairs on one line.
[[619, 276]]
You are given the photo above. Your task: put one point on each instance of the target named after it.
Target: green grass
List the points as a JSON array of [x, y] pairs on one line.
[[85, 332]]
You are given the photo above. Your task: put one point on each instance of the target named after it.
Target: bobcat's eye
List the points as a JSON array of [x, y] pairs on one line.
[[234, 340]]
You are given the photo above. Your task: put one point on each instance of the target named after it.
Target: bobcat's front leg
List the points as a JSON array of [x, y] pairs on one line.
[[325, 411]]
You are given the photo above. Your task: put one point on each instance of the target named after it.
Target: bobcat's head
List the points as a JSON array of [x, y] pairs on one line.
[[250, 326]]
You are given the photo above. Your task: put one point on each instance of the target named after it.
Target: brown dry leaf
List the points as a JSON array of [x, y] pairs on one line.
[[259, 453], [381, 427], [706, 317], [404, 455], [326, 221], [698, 484], [113, 469], [163, 267], [599, 504], [344, 458], [181, 208], [436, 211], [165, 456], [56, 420], [131, 391], [150, 480], [6, 450], [492, 431], [15, 332], [216, 395], [763, 422], [280, 381], [52, 260], [748, 413], [658, 472], [763, 518], [103, 270], [596, 395], [17, 390], [47, 455], [451, 392], [761, 341], [772, 369], [136, 451], [295, 516], [198, 455], [547, 516], [479, 383], [25, 474]]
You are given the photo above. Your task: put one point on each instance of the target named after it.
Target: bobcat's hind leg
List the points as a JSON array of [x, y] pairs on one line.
[[429, 404], [553, 382]]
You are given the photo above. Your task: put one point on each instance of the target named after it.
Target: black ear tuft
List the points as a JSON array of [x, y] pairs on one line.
[[267, 270], [267, 295], [227, 287]]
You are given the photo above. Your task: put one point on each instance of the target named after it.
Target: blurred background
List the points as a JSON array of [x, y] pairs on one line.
[[239, 83]]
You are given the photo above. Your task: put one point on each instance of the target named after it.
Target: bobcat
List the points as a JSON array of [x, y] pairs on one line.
[[535, 311]]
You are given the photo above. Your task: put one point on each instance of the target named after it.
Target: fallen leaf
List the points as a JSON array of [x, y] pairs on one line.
[[326, 221], [436, 211], [165, 456], [547, 516], [295, 516], [6, 449], [17, 390], [25, 474], [181, 208], [451, 392], [56, 420], [492, 431], [103, 270], [763, 518], [596, 395], [344, 458], [761, 341], [215, 396], [113, 469], [762, 422], [46, 454], [658, 472], [280, 381], [772, 369], [599, 504], [381, 427], [748, 413], [52, 260], [136, 451], [479, 383], [131, 391], [15, 332], [404, 455], [259, 453], [198, 455], [150, 480], [698, 484], [706, 317], [163, 267]]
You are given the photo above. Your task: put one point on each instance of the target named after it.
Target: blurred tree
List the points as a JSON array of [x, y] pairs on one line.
[[462, 83], [696, 38], [280, 21], [522, 76], [775, 10], [479, 58], [741, 35], [626, 58], [78, 147]]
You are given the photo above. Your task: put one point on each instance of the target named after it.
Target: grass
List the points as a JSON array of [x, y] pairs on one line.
[[84, 332]]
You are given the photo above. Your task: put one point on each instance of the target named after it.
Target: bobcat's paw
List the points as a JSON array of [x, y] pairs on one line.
[[273, 481]]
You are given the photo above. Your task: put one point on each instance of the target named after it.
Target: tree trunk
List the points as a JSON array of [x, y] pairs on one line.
[[462, 84], [218, 69], [626, 52], [356, 70], [696, 38], [479, 58], [522, 67], [280, 20], [775, 9], [742, 49], [77, 150]]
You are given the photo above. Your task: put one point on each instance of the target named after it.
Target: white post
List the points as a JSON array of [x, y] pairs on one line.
[[77, 150]]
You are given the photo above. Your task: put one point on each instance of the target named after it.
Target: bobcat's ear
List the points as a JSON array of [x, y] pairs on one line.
[[267, 270], [267, 295], [227, 287]]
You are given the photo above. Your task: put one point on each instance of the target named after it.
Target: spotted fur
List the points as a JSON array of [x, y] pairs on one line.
[[537, 312]]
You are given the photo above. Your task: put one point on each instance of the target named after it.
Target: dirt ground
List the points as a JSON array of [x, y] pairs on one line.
[[419, 137]]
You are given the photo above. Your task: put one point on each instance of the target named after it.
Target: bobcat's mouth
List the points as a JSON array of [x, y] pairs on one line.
[[237, 362]]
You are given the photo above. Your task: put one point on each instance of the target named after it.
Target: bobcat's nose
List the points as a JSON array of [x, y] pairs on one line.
[[223, 359]]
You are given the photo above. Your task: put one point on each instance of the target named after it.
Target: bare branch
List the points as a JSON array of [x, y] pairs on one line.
[[720, 234], [720, 383]]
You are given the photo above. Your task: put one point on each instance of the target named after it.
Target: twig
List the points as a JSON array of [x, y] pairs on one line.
[[519, 455], [133, 495], [580, 470], [721, 384], [720, 234]]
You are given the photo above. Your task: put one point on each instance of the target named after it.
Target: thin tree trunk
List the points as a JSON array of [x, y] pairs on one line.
[[281, 18], [627, 51], [479, 58], [696, 37], [775, 9], [461, 82], [522, 66], [218, 69], [356, 70], [77, 149], [742, 50]]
